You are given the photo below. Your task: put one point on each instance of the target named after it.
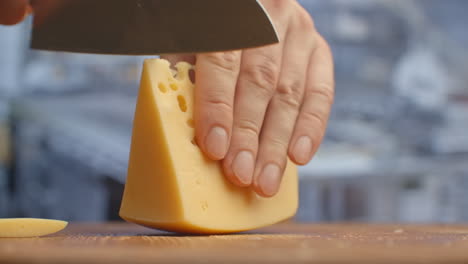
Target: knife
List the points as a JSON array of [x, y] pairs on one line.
[[150, 27]]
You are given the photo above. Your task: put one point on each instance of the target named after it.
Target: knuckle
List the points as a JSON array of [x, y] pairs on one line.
[[304, 20], [263, 76], [248, 126], [324, 91], [322, 42], [219, 105], [316, 116], [290, 93], [277, 144], [280, 4], [228, 61], [318, 119], [317, 113]]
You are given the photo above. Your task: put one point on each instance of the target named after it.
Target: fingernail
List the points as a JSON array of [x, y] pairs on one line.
[[302, 149], [270, 179], [216, 142], [243, 167]]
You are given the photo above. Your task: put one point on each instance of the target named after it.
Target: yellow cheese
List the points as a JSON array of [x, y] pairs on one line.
[[171, 185], [29, 227]]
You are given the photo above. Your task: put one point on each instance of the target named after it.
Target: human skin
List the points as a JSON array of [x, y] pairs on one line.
[[254, 108]]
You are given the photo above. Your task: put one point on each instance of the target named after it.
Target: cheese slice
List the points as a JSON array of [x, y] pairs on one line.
[[29, 227], [171, 185]]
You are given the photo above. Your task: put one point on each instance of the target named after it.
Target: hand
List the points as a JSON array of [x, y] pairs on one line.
[[13, 11], [255, 107]]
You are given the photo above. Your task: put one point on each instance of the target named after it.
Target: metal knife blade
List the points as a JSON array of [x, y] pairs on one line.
[[150, 27]]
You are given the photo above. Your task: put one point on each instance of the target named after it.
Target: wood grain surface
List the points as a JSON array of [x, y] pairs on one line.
[[285, 243]]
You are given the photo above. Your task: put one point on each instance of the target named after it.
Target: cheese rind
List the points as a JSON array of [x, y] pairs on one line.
[[29, 227], [171, 185]]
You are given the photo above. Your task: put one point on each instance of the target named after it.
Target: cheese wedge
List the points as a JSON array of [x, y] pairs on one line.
[[171, 185], [29, 227]]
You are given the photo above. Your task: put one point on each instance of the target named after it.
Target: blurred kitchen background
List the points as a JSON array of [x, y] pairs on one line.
[[396, 148]]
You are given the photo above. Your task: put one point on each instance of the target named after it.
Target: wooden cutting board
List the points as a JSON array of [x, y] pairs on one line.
[[284, 243]]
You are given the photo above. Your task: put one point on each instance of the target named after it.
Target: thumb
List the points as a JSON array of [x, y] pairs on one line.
[[13, 11]]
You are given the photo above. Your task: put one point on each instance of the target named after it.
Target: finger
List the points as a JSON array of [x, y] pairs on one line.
[[256, 85], [46, 9], [312, 121], [284, 108], [216, 78], [13, 11]]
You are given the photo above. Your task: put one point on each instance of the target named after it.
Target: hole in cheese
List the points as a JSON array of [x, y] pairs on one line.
[[204, 205], [191, 74], [190, 123], [174, 86], [194, 142], [162, 87], [182, 103]]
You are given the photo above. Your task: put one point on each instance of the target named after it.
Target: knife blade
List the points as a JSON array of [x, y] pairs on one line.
[[150, 27]]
